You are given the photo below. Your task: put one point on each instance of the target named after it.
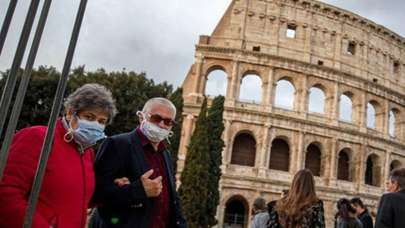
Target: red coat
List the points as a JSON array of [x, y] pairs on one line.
[[66, 189]]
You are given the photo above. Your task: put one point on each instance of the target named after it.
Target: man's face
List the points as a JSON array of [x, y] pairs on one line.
[[392, 186], [161, 115]]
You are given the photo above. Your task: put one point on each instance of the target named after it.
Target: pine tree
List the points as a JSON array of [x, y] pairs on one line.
[[195, 176], [215, 128], [177, 99]]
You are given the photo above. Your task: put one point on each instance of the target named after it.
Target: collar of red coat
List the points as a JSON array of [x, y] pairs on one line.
[[145, 141]]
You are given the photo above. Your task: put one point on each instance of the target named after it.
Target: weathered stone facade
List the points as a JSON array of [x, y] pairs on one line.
[[309, 44]]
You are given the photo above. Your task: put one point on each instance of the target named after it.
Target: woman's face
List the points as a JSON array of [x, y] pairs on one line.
[[89, 114]]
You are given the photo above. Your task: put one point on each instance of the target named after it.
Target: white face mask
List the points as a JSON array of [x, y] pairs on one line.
[[153, 132]]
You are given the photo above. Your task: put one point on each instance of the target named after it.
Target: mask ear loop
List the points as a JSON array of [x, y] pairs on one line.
[[68, 137]]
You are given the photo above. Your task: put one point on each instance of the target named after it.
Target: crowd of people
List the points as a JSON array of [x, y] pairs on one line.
[[299, 207], [131, 182]]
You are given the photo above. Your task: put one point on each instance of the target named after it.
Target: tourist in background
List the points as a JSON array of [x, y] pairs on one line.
[[300, 207], [260, 214], [391, 211], [346, 215], [362, 212]]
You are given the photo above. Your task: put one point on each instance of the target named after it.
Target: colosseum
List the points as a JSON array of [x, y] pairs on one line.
[[307, 85]]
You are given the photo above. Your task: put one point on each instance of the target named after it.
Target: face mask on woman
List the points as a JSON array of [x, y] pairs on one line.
[[86, 134], [152, 131]]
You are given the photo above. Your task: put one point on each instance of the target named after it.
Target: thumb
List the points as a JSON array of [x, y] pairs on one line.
[[147, 174]]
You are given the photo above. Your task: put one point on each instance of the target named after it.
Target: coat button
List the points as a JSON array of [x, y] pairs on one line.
[[137, 205]]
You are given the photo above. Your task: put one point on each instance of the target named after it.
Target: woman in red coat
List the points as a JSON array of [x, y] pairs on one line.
[[68, 183]]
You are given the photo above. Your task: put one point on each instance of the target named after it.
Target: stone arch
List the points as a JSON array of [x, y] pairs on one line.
[[346, 107], [216, 81], [374, 118], [313, 158], [372, 173], [236, 212], [251, 88], [285, 94], [317, 99], [244, 149], [395, 164], [344, 167], [394, 122], [279, 154]]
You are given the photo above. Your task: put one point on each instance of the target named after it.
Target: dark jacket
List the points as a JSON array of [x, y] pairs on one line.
[[348, 223], [366, 220], [391, 211], [128, 206]]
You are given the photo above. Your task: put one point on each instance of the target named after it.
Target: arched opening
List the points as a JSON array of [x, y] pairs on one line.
[[372, 175], [371, 115], [316, 100], [279, 155], [313, 159], [236, 213], [216, 84], [285, 95], [391, 124], [394, 128], [251, 89], [244, 150], [344, 165], [346, 108], [395, 164]]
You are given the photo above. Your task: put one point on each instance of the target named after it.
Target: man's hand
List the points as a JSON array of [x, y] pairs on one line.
[[121, 181], [153, 188]]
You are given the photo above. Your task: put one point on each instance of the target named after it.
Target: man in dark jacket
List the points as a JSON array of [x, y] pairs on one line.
[[362, 213], [391, 211], [135, 180]]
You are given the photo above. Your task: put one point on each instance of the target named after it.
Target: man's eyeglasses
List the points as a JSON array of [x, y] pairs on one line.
[[156, 119]]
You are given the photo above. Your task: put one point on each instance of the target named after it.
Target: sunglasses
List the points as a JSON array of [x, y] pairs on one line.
[[156, 119]]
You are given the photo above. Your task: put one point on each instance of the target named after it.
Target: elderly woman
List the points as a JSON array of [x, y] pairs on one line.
[[69, 180]]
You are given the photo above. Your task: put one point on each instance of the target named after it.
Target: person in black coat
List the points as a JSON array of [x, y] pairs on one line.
[[135, 180], [362, 212], [391, 211]]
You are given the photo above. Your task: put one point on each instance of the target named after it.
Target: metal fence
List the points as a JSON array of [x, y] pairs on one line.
[[11, 81]]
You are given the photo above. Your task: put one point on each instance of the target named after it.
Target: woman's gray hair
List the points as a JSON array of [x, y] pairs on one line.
[[92, 96]]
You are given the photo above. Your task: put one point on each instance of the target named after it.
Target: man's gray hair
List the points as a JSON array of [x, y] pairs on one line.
[[92, 96], [398, 175], [158, 100]]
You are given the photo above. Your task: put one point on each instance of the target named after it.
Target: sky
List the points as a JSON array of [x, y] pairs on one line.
[[156, 36]]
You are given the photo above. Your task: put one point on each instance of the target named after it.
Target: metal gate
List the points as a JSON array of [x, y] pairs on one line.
[[8, 91]]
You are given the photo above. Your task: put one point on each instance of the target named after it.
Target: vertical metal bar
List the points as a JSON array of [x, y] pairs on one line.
[[15, 114], [6, 23], [47, 146], [12, 76]]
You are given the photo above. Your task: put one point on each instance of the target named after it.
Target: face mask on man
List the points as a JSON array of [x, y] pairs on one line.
[[86, 134], [152, 131]]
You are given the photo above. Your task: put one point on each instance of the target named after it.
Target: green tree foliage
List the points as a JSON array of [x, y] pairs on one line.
[[39, 96], [131, 90], [177, 99], [195, 176], [215, 128]]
